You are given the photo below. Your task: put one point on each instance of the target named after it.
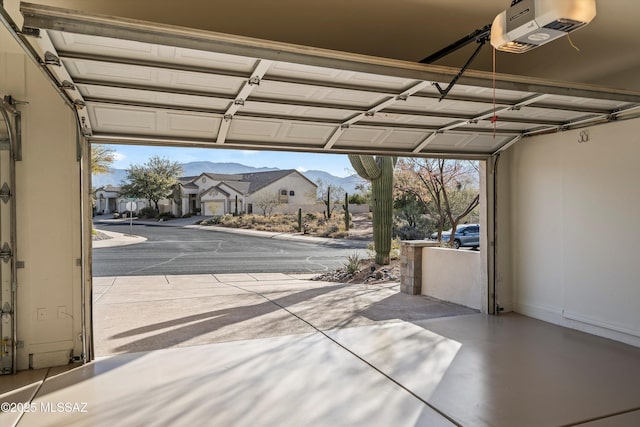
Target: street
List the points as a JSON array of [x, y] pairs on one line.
[[177, 250]]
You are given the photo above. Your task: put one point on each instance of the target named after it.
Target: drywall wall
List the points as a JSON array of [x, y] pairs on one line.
[[568, 244], [48, 215]]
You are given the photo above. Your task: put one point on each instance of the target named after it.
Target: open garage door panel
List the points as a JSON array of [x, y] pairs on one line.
[[141, 83]]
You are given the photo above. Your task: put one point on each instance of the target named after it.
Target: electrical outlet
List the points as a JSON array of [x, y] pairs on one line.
[[41, 314]]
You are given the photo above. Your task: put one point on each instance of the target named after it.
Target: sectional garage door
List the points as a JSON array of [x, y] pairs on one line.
[[141, 83]]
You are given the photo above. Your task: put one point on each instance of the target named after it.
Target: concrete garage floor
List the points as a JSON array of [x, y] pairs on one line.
[[337, 356]]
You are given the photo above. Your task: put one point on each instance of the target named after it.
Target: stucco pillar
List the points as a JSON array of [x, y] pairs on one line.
[[411, 265], [185, 206], [106, 205]]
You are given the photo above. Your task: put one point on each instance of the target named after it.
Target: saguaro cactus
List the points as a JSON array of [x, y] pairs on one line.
[[379, 171], [346, 211]]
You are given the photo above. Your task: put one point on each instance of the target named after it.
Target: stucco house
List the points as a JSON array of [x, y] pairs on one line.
[[109, 200], [216, 194]]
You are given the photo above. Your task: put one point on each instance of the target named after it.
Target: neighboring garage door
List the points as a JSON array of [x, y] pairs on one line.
[[143, 83]]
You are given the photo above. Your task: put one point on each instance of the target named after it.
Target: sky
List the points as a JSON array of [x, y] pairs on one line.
[[335, 164]]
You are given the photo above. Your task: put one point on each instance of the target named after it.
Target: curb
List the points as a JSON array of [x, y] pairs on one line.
[[285, 236], [116, 239]]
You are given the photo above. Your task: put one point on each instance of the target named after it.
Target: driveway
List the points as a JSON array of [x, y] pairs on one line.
[[179, 250], [143, 313]]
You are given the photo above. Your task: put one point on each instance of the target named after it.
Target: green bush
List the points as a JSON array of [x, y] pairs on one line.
[[148, 212], [358, 199]]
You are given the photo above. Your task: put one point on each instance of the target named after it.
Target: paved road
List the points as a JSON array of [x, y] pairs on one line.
[[176, 250]]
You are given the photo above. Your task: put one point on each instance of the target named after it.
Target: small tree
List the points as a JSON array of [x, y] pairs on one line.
[[330, 195], [266, 202], [155, 180], [445, 188]]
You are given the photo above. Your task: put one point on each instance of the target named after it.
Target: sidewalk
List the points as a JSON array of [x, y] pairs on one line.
[[190, 223]]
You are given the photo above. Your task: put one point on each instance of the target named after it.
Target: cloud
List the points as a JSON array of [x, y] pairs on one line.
[[301, 169], [249, 152], [117, 157]]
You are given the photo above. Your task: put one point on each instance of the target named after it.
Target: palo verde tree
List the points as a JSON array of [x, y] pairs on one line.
[[447, 189], [379, 171], [102, 157], [155, 180]]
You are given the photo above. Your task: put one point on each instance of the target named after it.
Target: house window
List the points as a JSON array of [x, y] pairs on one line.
[[283, 192], [292, 193]]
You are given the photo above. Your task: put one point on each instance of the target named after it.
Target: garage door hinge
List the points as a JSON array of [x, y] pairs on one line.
[[67, 85], [5, 253], [6, 309], [51, 59], [5, 193]]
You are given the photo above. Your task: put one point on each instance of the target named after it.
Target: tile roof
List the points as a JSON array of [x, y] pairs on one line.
[[260, 180], [246, 183]]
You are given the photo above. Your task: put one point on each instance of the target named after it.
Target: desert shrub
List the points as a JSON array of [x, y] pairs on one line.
[[395, 249], [278, 222], [310, 216], [187, 215], [394, 253], [407, 232], [339, 234], [214, 220], [352, 263]]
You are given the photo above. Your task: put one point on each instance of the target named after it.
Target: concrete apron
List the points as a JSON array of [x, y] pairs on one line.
[[142, 313], [278, 332]]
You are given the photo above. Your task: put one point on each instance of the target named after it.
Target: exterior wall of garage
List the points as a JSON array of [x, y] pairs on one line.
[[49, 232], [569, 232]]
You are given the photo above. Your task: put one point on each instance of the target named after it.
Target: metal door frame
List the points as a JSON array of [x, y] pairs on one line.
[[12, 118]]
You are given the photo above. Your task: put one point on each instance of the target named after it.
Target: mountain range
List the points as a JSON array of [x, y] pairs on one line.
[[116, 176]]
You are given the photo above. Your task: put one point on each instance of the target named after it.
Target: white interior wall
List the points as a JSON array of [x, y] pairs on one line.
[[568, 229], [48, 215]]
